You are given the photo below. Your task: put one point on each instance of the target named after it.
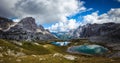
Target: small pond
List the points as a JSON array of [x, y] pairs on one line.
[[88, 49], [60, 43]]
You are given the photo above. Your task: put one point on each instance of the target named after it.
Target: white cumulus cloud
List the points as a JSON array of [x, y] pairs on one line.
[[64, 26], [111, 16]]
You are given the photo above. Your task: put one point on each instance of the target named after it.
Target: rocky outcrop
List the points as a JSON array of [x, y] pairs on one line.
[[106, 32], [28, 30], [5, 23], [114, 55]]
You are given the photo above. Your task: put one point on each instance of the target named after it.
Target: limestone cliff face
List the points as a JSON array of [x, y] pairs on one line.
[[5, 23], [99, 32], [26, 29]]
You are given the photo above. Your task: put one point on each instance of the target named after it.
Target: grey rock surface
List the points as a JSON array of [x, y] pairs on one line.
[[106, 32], [114, 55], [5, 23], [26, 30]]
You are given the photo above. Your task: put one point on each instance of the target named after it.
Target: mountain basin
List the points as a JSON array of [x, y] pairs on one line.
[[60, 43], [88, 49]]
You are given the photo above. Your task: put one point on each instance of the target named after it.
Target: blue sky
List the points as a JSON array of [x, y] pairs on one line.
[[101, 5]]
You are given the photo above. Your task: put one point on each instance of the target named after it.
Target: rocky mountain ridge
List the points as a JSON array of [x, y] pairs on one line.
[[108, 32], [26, 29]]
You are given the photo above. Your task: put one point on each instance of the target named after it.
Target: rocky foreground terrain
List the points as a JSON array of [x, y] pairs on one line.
[[26, 30]]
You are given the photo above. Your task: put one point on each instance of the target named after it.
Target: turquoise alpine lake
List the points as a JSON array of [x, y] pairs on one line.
[[60, 43], [88, 49]]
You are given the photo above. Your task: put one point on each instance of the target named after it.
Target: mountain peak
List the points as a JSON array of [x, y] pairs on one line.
[[30, 20], [26, 24], [26, 29]]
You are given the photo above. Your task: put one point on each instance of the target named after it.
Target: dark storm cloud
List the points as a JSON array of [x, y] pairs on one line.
[[5, 11], [29, 6]]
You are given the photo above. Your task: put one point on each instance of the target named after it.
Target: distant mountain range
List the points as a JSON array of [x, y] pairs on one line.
[[106, 32], [62, 35], [26, 29]]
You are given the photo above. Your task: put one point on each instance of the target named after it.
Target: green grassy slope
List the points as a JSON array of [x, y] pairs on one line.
[[30, 52]]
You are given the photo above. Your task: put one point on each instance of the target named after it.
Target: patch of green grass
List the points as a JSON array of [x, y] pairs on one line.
[[7, 45], [55, 49], [35, 49]]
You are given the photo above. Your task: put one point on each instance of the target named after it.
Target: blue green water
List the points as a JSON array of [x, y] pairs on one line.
[[88, 49], [60, 43]]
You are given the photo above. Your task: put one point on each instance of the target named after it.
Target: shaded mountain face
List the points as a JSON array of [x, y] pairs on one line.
[[26, 24], [5, 23], [99, 32], [26, 29]]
